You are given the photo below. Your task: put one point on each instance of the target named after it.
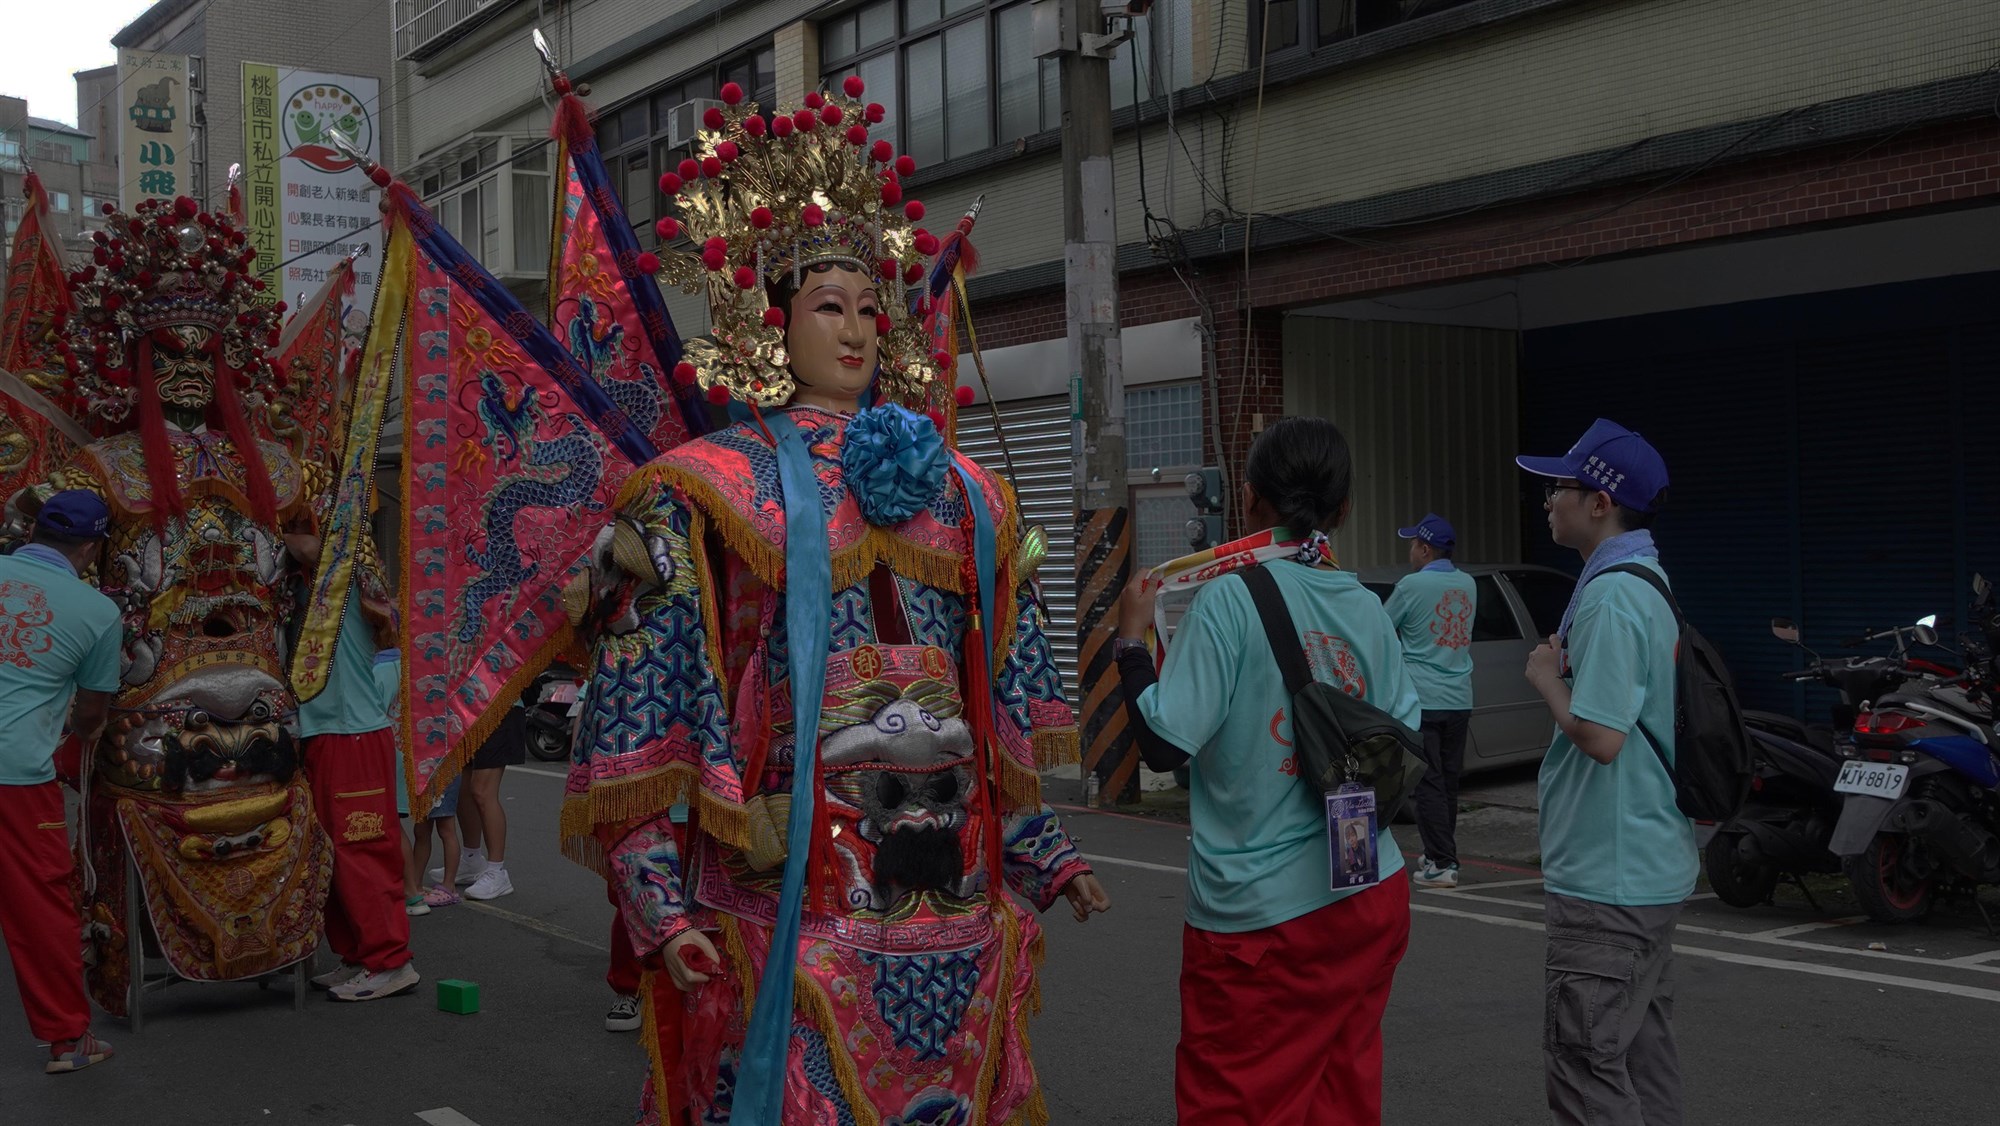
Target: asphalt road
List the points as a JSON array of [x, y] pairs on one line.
[[1785, 1015]]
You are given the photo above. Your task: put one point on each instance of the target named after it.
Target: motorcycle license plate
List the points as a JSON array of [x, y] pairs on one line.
[[1874, 779], [562, 693]]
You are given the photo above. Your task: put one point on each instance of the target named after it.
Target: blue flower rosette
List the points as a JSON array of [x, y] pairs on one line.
[[895, 461]]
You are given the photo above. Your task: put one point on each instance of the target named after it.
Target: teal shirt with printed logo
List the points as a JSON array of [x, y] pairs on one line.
[[1433, 610], [1611, 832], [1259, 853], [352, 703], [57, 634]]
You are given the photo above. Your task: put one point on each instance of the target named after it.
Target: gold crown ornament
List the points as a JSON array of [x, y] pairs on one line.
[[767, 199], [167, 265]]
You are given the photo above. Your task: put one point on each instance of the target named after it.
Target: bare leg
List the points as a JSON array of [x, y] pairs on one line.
[[420, 852], [469, 826], [448, 831], [413, 875], [483, 787]]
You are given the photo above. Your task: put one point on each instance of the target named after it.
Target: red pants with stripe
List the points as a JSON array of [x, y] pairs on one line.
[[354, 794], [1283, 1026], [38, 917]]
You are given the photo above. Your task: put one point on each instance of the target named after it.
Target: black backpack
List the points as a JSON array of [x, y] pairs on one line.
[[1713, 754], [1338, 738]]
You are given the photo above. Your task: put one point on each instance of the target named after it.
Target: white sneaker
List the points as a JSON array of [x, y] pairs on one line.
[[1430, 875], [624, 1015], [375, 986], [345, 971], [469, 869], [491, 884]]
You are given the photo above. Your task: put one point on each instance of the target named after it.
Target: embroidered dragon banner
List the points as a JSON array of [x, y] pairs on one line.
[[314, 373], [604, 305], [37, 296], [512, 456]]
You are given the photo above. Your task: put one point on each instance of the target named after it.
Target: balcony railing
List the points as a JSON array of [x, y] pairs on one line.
[[425, 27]]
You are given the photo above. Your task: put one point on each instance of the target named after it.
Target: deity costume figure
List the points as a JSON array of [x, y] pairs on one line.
[[816, 628], [197, 771]]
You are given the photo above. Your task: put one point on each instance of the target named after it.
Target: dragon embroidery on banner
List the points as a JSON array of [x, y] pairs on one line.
[[598, 342], [559, 473]]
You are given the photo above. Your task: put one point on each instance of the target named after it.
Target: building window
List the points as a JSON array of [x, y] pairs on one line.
[[10, 155], [1294, 23], [640, 141], [496, 198], [59, 200], [959, 76], [1163, 432]]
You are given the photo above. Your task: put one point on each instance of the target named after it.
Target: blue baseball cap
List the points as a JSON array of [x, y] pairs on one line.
[[1432, 529], [77, 513], [1611, 458]]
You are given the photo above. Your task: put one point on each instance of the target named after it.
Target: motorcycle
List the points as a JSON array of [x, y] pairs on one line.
[[1787, 823], [551, 700], [1921, 783]]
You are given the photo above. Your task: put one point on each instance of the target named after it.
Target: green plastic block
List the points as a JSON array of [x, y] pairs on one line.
[[461, 997]]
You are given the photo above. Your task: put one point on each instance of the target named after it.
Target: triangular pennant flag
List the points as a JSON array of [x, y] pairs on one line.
[[313, 372], [604, 304], [37, 299], [513, 457]]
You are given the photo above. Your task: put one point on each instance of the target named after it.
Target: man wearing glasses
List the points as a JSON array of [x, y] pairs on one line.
[[1618, 857]]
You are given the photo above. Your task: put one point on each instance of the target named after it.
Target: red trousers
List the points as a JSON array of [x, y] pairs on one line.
[[354, 793], [1283, 1026], [38, 917]]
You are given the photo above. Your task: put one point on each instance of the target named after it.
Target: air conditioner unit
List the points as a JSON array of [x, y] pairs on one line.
[[684, 121]]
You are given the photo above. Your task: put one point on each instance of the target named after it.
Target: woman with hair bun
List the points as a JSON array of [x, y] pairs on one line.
[[1285, 966]]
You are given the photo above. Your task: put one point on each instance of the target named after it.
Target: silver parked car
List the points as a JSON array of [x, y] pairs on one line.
[[1518, 606]]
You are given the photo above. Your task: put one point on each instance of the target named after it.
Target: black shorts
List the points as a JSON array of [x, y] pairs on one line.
[[507, 746]]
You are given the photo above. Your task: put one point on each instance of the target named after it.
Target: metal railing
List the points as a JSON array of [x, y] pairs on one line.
[[424, 27]]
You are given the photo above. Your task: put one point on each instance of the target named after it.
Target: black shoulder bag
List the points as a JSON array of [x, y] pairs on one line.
[[1338, 738]]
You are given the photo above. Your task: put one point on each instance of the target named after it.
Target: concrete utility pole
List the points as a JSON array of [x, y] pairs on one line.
[[1097, 386]]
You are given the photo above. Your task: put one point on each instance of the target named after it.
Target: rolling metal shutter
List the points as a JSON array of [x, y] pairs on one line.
[[1828, 455], [1038, 436]]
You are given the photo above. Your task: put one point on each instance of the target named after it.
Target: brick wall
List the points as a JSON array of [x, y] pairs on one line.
[[1946, 166]]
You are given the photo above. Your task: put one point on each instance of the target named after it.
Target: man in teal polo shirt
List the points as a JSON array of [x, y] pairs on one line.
[[1432, 608], [1618, 857], [59, 642]]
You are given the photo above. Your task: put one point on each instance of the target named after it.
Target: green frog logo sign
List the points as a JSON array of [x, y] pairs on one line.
[[313, 113]]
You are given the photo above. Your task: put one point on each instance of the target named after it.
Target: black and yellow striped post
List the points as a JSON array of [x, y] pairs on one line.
[[1103, 565]]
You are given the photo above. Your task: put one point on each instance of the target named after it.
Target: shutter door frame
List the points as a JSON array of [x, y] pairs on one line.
[[1038, 435]]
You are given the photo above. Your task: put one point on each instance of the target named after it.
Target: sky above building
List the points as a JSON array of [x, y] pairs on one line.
[[47, 43]]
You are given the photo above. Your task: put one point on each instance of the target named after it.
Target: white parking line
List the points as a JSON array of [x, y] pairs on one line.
[[538, 770], [1975, 962], [533, 924], [445, 1116], [1969, 992], [1483, 885], [1807, 928]]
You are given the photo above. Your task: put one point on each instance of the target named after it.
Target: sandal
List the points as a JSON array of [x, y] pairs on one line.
[[441, 896]]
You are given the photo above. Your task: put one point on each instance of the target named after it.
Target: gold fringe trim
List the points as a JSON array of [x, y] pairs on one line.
[[1020, 787], [1057, 746], [850, 566], [739, 961], [1035, 1111], [481, 729], [808, 1000], [709, 592], [649, 1031], [630, 799]]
